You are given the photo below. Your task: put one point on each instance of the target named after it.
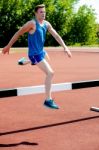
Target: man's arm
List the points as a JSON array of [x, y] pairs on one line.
[[25, 28], [58, 39]]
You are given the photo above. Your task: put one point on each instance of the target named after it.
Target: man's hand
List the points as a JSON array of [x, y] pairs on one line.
[[68, 52], [6, 49]]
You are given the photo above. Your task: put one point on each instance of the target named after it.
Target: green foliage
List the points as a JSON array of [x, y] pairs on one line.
[[73, 28], [14, 13], [60, 14], [83, 27]]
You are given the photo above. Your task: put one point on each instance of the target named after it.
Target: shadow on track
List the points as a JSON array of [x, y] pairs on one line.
[[17, 144], [50, 125]]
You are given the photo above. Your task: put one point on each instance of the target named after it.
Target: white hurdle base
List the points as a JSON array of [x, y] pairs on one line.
[[41, 89], [19, 91]]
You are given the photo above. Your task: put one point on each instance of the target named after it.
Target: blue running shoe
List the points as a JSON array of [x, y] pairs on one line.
[[51, 104], [22, 60]]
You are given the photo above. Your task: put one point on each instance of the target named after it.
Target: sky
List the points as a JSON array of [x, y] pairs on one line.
[[93, 3]]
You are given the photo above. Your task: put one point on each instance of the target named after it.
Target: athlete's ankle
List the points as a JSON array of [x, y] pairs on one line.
[[48, 98]]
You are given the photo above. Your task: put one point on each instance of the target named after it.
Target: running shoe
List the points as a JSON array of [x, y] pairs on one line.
[[51, 104], [22, 60]]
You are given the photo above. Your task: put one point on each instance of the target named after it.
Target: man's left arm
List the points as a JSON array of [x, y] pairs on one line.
[[58, 39]]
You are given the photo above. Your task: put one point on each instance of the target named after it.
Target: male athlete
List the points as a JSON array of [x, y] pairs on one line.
[[37, 29]]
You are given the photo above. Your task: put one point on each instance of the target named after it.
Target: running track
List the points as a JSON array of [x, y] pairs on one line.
[[25, 124]]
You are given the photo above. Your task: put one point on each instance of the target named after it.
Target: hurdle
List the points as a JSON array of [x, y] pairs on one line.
[[21, 91], [96, 109]]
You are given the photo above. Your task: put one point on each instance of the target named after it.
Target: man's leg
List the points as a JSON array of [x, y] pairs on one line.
[[46, 68]]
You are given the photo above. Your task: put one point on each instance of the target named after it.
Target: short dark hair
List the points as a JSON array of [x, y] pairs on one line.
[[39, 6]]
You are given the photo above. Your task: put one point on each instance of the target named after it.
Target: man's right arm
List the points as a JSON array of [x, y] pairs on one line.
[[25, 28]]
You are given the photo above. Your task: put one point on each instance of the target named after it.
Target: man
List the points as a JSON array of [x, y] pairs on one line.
[[36, 37]]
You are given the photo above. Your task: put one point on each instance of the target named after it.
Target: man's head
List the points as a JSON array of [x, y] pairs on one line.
[[40, 12]]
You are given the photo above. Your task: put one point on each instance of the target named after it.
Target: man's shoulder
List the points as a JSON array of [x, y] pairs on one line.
[[32, 22], [47, 23]]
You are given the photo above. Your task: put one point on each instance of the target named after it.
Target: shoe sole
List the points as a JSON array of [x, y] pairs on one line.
[[50, 107]]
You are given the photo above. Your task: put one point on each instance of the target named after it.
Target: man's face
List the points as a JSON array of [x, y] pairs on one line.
[[41, 13]]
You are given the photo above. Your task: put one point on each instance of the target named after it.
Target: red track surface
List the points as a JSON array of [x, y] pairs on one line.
[[25, 124]]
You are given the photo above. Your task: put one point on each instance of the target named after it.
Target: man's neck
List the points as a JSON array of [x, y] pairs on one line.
[[41, 21]]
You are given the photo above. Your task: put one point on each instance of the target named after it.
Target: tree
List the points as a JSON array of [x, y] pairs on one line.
[[14, 13], [83, 28], [60, 14]]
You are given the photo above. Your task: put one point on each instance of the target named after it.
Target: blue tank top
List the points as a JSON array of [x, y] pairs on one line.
[[37, 39]]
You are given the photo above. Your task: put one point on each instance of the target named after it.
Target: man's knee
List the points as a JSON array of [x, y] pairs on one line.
[[51, 74]]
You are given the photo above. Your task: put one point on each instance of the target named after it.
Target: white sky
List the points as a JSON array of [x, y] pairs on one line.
[[93, 3]]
